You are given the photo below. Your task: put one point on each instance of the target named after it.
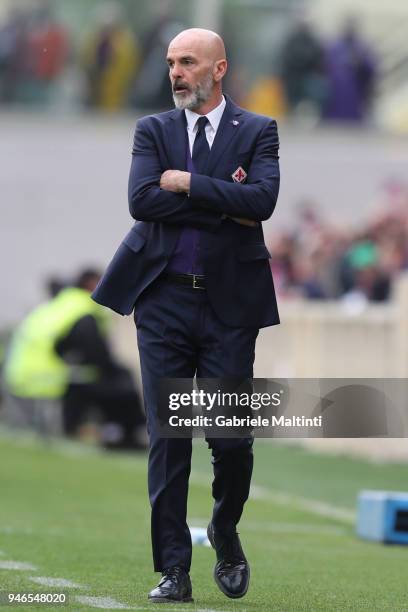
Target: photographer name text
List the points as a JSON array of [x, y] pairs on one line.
[[235, 421]]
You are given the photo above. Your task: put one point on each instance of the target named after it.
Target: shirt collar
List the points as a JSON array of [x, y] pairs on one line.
[[214, 116]]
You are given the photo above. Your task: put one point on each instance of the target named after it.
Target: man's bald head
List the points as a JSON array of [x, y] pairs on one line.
[[197, 64], [207, 41]]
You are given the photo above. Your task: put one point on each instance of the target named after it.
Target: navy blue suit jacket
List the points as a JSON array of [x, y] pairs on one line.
[[235, 258]]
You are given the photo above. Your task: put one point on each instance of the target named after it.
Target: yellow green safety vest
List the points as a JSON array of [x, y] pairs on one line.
[[33, 368]]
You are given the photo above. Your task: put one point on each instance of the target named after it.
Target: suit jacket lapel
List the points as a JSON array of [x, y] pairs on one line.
[[176, 130], [227, 130]]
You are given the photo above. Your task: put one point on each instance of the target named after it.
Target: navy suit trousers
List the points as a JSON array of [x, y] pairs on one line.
[[180, 336]]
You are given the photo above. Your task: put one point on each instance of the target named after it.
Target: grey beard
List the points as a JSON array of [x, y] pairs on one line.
[[198, 97]]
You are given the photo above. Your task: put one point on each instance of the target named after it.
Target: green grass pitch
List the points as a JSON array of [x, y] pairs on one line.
[[82, 515]]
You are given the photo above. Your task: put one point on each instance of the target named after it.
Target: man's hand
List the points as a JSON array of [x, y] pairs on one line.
[[175, 180]]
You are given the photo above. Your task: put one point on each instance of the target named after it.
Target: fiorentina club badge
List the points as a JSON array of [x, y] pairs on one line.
[[239, 175]]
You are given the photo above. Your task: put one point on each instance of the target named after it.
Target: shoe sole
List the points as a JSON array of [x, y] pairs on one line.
[[220, 585], [159, 600]]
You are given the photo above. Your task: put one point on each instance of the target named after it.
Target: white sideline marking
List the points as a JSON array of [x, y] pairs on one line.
[[16, 565], [302, 503], [280, 527], [23, 530], [295, 528], [288, 499], [56, 582], [106, 603], [111, 604], [53, 531]]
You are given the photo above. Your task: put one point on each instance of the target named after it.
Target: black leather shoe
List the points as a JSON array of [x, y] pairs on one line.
[[174, 587], [231, 572]]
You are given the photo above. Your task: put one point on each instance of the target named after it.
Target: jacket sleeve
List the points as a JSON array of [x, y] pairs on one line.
[[147, 202], [255, 199]]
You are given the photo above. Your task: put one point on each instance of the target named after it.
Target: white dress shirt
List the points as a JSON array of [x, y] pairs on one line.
[[214, 118]]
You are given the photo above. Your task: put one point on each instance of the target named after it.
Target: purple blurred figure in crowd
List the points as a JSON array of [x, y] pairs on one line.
[[351, 72]]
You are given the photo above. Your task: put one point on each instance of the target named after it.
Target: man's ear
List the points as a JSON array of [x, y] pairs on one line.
[[220, 68]]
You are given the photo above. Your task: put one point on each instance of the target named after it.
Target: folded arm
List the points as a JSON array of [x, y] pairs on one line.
[[255, 199], [148, 202]]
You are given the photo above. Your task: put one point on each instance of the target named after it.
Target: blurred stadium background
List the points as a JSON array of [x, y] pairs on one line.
[[74, 78]]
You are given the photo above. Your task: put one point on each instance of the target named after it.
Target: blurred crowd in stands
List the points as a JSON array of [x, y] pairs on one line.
[[336, 80], [41, 62], [321, 260]]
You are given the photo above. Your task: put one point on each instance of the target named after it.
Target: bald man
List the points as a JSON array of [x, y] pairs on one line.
[[195, 270]]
